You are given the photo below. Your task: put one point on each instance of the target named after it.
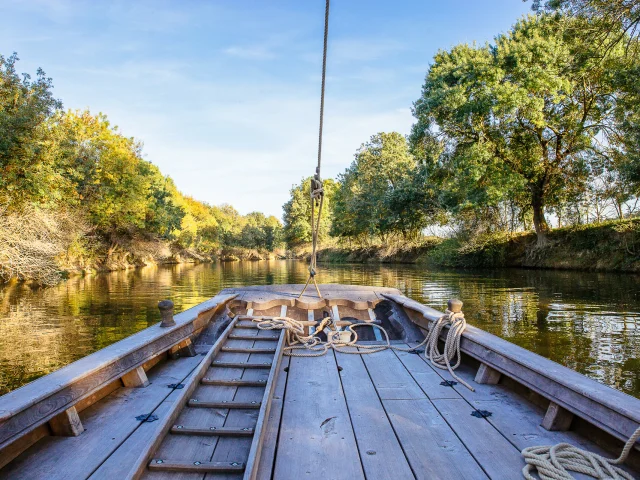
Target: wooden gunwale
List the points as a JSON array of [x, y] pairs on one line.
[[34, 404], [608, 409]]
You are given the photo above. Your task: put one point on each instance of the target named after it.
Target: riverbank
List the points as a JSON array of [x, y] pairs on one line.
[[609, 246], [137, 254]]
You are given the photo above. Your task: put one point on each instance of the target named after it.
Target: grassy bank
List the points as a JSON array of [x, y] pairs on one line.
[[607, 246]]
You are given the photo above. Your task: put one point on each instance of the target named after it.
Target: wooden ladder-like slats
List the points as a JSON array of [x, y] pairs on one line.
[[194, 403], [212, 431], [195, 467], [246, 325], [193, 398], [235, 382], [248, 350], [253, 337], [220, 364]]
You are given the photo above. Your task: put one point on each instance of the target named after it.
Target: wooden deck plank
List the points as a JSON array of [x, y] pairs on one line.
[[120, 462], [380, 452], [268, 457], [431, 446], [391, 382], [316, 437], [425, 376], [498, 457], [106, 428], [513, 415]]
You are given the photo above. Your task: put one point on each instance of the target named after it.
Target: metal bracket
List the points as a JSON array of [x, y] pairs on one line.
[[448, 383], [481, 413], [147, 417], [176, 386]]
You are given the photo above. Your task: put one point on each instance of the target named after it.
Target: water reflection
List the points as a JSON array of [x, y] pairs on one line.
[[588, 322]]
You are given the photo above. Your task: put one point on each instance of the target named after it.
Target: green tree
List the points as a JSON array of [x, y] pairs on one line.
[[607, 23], [522, 117], [27, 143], [383, 192], [164, 215], [112, 181]]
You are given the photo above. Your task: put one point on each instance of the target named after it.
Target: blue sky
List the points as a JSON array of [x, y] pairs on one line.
[[225, 95]]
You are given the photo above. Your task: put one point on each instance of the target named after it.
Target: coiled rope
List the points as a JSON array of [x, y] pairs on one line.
[[555, 462], [457, 324], [301, 345]]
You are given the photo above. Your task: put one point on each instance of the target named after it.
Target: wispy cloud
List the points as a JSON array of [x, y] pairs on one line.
[[252, 52], [364, 49]]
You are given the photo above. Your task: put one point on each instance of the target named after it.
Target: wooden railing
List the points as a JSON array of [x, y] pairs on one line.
[[53, 398], [569, 392]]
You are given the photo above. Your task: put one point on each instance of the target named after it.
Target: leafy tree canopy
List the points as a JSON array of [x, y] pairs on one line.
[[524, 117]]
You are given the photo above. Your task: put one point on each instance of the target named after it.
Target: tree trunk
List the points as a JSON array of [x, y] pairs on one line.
[[539, 221]]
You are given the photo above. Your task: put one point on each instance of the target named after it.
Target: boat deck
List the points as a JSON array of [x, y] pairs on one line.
[[385, 415]]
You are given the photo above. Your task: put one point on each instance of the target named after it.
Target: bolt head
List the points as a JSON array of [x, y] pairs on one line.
[[179, 426], [212, 428], [158, 461], [196, 463]]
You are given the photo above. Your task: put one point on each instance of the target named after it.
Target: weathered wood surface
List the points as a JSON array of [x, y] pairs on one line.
[[109, 422], [257, 443], [136, 378], [316, 436], [270, 442], [264, 297], [380, 452], [557, 418], [37, 402], [486, 374], [192, 383], [432, 447], [605, 407], [195, 448], [514, 416], [67, 423], [384, 415]]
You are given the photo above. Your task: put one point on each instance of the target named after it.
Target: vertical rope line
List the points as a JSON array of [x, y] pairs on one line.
[[317, 193], [324, 74]]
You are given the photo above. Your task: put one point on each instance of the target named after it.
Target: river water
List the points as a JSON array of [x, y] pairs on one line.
[[589, 322]]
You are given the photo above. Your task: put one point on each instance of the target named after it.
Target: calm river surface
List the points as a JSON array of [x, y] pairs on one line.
[[587, 321]]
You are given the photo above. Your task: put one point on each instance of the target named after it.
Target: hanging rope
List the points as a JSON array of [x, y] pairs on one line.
[[555, 462], [317, 192]]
